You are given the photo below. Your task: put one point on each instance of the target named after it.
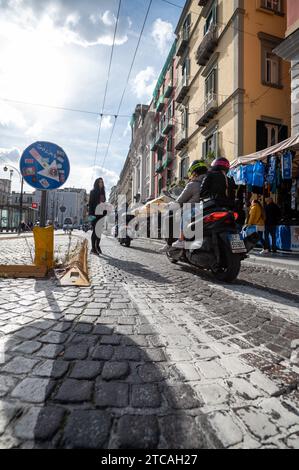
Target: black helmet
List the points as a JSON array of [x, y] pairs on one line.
[[199, 167]]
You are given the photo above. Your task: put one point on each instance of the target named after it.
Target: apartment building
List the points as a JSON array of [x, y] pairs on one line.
[[162, 141], [289, 50], [233, 92]]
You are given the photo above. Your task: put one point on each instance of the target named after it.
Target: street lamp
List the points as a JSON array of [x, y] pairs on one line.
[[21, 195]]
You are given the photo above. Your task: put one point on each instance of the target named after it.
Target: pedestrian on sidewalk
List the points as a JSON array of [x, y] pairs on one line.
[[97, 196], [256, 217], [273, 215]]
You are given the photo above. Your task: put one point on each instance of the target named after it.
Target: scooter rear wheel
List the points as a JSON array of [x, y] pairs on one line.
[[230, 269]]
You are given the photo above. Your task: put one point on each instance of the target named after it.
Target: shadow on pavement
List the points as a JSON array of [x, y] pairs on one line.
[[72, 384]]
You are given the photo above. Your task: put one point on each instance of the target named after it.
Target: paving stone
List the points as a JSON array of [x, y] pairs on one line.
[[126, 353], [27, 347], [153, 355], [115, 370], [263, 383], [6, 384], [7, 413], [178, 355], [186, 372], [114, 394], [180, 431], [62, 327], [87, 429], [54, 369], [257, 422], [83, 340], [19, 365], [182, 397], [126, 321], [50, 351], [213, 394], [124, 330], [244, 388], [280, 414], [151, 373], [28, 333], [136, 340], [77, 351], [293, 441], [144, 432], [39, 423], [74, 391], [211, 369], [104, 353], [111, 339], [145, 396], [54, 337], [235, 366], [84, 328], [33, 390], [102, 330], [86, 369], [226, 429], [146, 330]]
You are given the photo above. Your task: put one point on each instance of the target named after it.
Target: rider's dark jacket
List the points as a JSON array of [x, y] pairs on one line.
[[217, 185]]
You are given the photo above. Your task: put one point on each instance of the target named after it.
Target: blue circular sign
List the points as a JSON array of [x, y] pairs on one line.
[[44, 166]]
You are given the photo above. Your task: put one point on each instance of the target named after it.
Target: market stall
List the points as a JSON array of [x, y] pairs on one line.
[[273, 172]]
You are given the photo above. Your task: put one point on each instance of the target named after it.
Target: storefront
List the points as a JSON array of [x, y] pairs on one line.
[[273, 172]]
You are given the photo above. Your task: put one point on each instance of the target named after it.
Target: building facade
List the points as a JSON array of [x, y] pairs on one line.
[[65, 203], [5, 189], [289, 50], [232, 95]]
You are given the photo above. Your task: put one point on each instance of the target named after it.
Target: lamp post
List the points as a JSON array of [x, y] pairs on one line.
[[21, 194]]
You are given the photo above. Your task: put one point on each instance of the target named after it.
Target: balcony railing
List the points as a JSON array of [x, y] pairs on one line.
[[158, 166], [208, 110], [167, 159], [183, 42], [168, 125], [160, 104], [181, 138], [207, 45], [169, 89], [182, 89], [157, 140]]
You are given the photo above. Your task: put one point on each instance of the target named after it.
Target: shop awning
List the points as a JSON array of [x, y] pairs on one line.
[[291, 143]]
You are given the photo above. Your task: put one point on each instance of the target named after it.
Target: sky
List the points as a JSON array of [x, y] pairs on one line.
[[56, 53]]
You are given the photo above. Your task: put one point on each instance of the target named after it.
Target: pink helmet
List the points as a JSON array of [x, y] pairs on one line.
[[221, 163]]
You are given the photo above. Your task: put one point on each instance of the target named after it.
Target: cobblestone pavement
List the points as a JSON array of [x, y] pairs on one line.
[[152, 355], [12, 248]]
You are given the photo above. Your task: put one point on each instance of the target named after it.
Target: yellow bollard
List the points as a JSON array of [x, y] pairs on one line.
[[44, 246]]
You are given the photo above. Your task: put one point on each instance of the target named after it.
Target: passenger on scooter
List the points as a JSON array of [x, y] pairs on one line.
[[217, 185], [191, 195]]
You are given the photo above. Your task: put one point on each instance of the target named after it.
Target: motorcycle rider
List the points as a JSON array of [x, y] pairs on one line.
[[217, 185], [191, 194]]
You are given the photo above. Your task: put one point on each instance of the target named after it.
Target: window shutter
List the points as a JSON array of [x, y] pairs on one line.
[[188, 67], [283, 133], [215, 144], [261, 136], [215, 13], [204, 153]]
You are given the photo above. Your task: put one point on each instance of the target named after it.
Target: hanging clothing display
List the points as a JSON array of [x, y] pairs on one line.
[[286, 165], [258, 177], [272, 170]]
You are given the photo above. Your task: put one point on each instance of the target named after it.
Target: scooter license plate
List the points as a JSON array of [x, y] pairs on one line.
[[237, 244]]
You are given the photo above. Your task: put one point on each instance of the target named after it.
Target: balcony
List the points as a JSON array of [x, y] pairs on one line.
[[159, 167], [182, 89], [157, 141], [169, 124], [208, 110], [181, 139], [183, 42], [160, 104], [169, 89], [167, 159], [207, 45]]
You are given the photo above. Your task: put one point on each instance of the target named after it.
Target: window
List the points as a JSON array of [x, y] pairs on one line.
[[272, 69], [210, 86], [273, 5], [210, 146], [271, 63], [184, 167], [186, 27], [185, 70], [211, 19], [169, 146]]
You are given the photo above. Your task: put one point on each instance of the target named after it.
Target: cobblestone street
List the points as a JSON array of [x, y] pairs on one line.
[[152, 355]]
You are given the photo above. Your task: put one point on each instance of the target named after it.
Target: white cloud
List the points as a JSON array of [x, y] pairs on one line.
[[83, 174], [35, 131], [106, 122], [127, 130], [11, 155], [11, 116], [108, 18], [163, 34], [144, 83]]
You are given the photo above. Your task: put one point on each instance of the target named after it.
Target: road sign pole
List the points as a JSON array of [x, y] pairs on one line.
[[43, 209]]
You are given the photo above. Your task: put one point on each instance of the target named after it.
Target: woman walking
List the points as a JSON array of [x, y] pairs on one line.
[[97, 196]]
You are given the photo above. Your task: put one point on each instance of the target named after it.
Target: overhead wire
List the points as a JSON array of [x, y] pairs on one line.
[[106, 88], [127, 81]]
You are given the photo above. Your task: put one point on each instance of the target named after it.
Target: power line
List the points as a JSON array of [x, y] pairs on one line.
[[106, 88], [62, 108], [128, 78]]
